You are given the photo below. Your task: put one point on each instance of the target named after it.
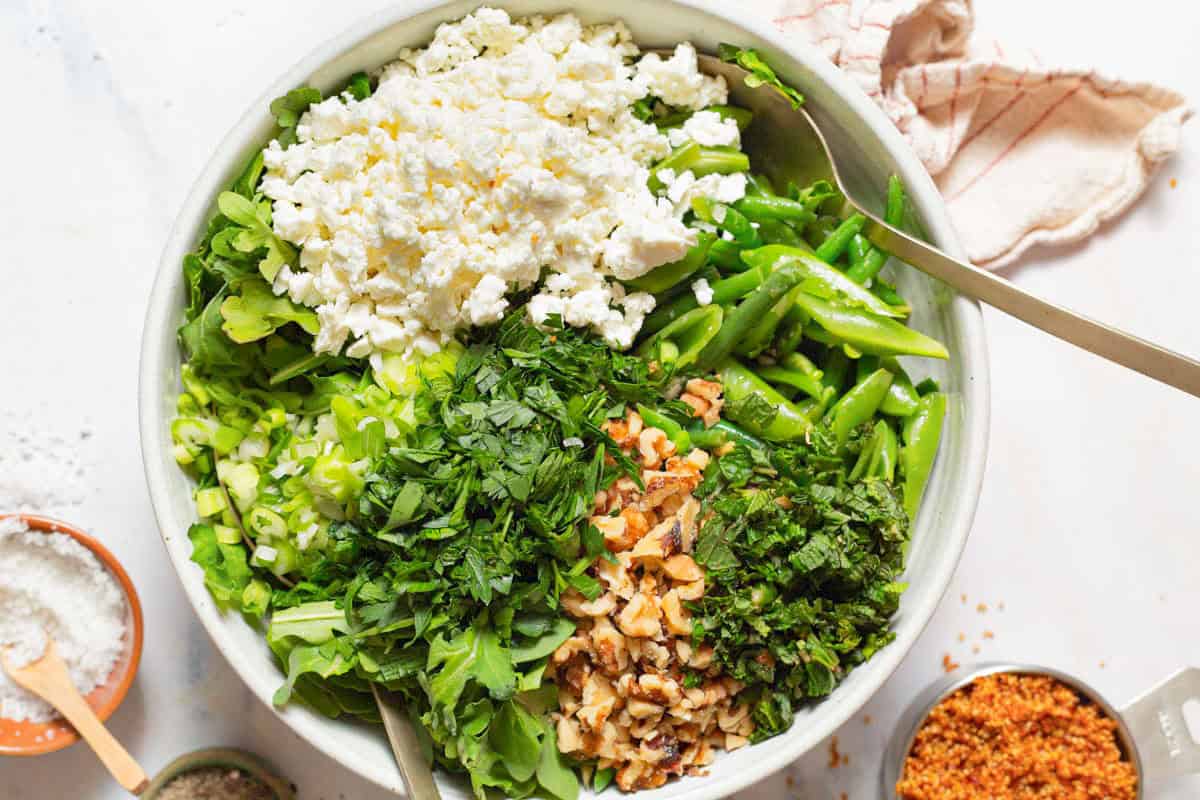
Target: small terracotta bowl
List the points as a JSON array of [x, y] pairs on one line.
[[25, 738]]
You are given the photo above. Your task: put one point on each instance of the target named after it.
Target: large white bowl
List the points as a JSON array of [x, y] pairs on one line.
[[950, 502]]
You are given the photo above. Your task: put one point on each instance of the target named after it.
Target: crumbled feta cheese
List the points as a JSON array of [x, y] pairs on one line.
[[572, 441], [678, 81], [501, 149], [722, 188], [703, 292], [707, 128]]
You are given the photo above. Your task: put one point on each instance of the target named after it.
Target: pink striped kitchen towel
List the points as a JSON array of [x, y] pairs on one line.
[[1024, 153]]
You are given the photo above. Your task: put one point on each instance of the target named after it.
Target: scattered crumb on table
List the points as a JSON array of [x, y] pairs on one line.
[[949, 664], [982, 608], [989, 635], [835, 758]]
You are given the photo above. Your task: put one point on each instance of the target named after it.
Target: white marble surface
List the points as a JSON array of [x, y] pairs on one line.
[[1087, 531]]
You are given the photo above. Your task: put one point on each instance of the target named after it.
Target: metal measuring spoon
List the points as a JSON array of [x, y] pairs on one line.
[[788, 141], [1151, 730]]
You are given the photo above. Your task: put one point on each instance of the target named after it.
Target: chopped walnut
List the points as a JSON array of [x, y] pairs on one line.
[[621, 695]]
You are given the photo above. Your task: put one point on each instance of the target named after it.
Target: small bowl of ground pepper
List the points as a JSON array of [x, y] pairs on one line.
[[219, 774], [1014, 731]]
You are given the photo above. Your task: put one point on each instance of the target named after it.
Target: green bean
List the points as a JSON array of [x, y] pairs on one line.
[[867, 332], [680, 159], [722, 432], [922, 433], [687, 336], [819, 277], [747, 314], [673, 430], [708, 272], [868, 266], [665, 276], [859, 404], [820, 229], [791, 332], [760, 209], [742, 116], [760, 335], [753, 404], [896, 201], [727, 218], [724, 291], [858, 248], [835, 245], [888, 294]]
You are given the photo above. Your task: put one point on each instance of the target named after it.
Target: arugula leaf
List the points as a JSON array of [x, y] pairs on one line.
[[226, 571], [545, 643], [257, 312], [288, 108], [515, 735], [553, 772], [760, 73]]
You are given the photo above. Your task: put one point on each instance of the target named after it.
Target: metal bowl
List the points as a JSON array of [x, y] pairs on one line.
[[1151, 730], [945, 519]]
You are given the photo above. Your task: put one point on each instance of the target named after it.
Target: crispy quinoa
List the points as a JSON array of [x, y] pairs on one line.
[[1017, 737], [634, 693]]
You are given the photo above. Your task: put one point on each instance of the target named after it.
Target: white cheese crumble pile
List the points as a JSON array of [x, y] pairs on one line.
[[500, 150], [52, 586]]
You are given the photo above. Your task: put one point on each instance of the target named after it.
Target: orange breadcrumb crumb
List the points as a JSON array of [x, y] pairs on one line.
[[989, 635], [1174, 183], [835, 758], [948, 664], [981, 608], [1016, 737]]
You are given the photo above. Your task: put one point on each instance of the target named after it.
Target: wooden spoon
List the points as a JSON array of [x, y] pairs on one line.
[[47, 677]]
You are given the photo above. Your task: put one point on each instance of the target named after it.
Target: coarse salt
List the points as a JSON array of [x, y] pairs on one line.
[[51, 586]]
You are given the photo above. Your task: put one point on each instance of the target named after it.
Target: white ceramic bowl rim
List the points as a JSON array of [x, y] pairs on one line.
[[953, 513]]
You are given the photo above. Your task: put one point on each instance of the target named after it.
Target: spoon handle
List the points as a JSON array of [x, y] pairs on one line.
[[1105, 341], [51, 682]]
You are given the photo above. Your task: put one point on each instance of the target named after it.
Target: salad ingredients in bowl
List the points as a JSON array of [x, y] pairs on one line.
[[511, 384]]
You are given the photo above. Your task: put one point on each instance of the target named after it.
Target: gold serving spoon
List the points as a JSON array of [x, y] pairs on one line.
[[406, 747], [789, 141], [47, 677]]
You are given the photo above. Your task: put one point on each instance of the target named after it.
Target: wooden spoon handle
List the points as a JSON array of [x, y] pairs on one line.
[[49, 679], [115, 757]]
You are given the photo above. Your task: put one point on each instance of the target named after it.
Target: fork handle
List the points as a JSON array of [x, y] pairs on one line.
[[1105, 341]]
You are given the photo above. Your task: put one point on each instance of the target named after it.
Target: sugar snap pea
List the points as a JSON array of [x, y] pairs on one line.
[[859, 404], [867, 332], [724, 291], [759, 185], [921, 434], [747, 314], [773, 231], [819, 277], [673, 430], [665, 276], [720, 433], [760, 335], [787, 376], [752, 403], [683, 339]]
